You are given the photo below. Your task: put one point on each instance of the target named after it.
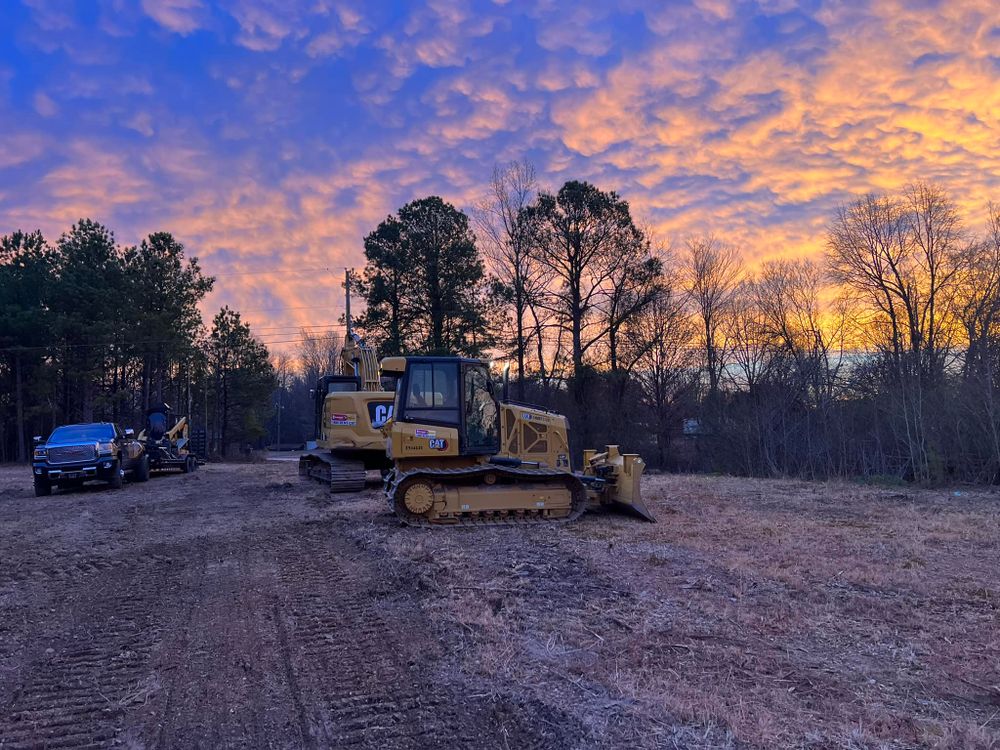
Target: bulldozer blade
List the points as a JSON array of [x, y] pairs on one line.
[[626, 490], [637, 508]]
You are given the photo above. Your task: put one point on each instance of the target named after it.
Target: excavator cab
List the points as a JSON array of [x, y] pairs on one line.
[[324, 387]]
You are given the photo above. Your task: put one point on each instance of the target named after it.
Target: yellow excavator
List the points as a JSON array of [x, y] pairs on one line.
[[350, 409], [463, 456]]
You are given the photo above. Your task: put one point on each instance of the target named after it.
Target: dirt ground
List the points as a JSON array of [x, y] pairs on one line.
[[237, 607]]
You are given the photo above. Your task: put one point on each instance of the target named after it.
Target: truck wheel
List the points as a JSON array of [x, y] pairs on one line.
[[141, 473], [43, 488], [116, 480]]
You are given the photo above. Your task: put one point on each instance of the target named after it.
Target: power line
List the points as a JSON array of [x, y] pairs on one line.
[[279, 271], [297, 326], [264, 339]]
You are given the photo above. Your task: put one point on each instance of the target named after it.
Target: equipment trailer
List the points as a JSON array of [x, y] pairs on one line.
[[166, 441]]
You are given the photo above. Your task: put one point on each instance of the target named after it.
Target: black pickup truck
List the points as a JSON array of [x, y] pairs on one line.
[[76, 453]]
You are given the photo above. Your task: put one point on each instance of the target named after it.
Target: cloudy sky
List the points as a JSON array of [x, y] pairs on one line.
[[271, 135]]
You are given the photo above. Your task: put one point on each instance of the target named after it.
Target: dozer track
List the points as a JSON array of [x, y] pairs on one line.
[[481, 485], [339, 474]]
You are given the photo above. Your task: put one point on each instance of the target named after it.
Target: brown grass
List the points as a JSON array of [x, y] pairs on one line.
[[756, 613]]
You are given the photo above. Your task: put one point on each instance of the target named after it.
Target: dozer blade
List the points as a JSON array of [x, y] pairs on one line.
[[637, 508], [623, 473]]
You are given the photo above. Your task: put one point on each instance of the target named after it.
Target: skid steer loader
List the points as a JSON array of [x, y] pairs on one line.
[[166, 441], [462, 456]]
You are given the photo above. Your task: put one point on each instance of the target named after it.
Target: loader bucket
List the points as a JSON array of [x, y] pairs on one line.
[[624, 472]]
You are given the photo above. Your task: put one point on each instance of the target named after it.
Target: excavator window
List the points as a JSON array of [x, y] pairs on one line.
[[481, 417], [350, 386], [432, 392]]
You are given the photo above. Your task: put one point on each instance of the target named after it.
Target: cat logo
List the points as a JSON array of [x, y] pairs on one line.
[[379, 412]]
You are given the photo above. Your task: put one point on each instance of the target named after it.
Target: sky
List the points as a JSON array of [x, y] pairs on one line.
[[269, 136]]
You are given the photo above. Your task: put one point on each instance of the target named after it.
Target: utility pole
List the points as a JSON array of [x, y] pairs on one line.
[[347, 308], [278, 439]]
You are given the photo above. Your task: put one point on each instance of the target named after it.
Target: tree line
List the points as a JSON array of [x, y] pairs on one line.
[[879, 359], [92, 330]]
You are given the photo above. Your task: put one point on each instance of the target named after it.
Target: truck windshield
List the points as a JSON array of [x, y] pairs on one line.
[[82, 432]]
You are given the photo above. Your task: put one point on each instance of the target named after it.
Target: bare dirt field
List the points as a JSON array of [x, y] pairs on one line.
[[238, 607]]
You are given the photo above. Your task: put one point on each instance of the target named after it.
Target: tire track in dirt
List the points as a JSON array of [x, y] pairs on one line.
[[94, 664], [223, 682], [365, 660], [234, 617]]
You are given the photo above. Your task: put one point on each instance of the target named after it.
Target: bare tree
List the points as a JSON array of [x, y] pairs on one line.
[[503, 224], [977, 299], [940, 255], [658, 347], [712, 276], [977, 303], [753, 349], [319, 354], [790, 296], [905, 257]]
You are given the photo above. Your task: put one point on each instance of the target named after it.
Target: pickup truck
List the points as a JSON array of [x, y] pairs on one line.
[[76, 453]]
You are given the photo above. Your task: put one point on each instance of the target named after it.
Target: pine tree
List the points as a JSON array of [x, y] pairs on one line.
[[424, 283], [243, 379]]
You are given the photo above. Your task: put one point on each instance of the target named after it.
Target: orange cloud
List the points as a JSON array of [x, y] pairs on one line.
[[308, 121]]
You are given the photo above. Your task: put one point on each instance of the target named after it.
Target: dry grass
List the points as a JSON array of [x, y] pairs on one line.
[[756, 613]]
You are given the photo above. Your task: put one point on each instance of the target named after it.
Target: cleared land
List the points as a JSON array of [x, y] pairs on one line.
[[239, 607]]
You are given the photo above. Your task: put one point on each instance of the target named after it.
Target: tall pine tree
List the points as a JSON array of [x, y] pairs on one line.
[[424, 283]]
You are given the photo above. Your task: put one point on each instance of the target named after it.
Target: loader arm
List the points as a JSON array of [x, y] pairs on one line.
[[179, 430]]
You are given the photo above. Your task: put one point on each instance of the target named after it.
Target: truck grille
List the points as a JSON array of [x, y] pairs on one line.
[[66, 454]]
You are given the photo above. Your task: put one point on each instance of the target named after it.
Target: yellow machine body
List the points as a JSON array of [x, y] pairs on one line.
[[351, 408], [167, 445], [460, 455]]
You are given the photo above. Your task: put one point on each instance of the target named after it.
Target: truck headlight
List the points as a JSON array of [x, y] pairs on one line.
[[41, 454], [105, 447]]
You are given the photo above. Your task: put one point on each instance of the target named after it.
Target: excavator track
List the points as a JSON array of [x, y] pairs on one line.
[[397, 483], [339, 474]]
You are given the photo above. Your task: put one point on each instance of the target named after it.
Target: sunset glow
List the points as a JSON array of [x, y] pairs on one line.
[[271, 135]]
